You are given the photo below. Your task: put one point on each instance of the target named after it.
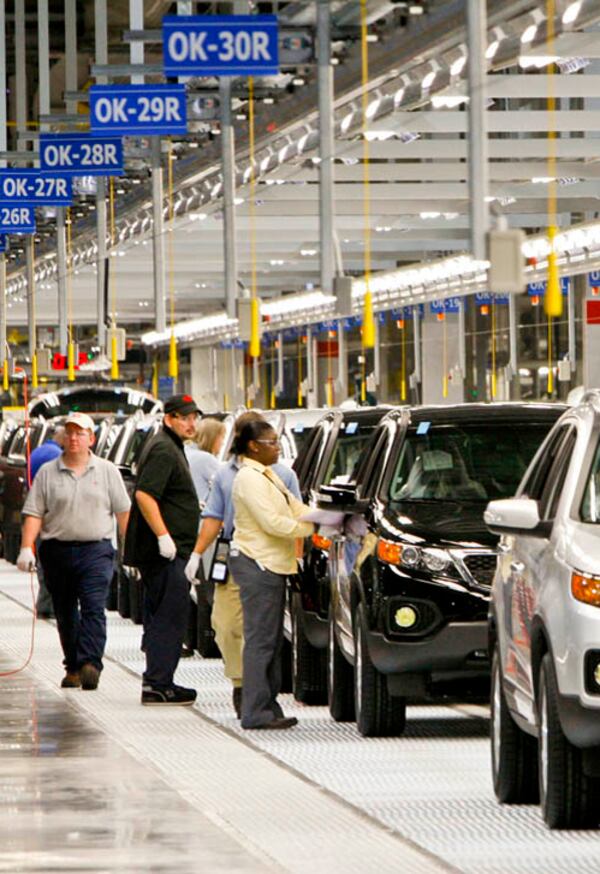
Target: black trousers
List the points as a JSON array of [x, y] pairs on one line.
[[166, 610], [78, 576]]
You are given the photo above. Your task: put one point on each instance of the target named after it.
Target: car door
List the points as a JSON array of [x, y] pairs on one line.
[[348, 551], [526, 562]]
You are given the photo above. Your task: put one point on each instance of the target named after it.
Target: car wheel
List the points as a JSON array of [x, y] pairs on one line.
[[309, 666], [378, 714], [340, 682], [568, 798], [207, 646], [514, 752]]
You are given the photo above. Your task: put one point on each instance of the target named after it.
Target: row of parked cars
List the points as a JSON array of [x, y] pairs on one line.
[[470, 548]]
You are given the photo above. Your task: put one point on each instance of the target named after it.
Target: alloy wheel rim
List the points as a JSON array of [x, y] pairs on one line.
[[543, 741], [358, 671], [496, 728]]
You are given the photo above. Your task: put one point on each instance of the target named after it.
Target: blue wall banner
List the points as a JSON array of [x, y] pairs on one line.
[[17, 219], [138, 109], [81, 155], [594, 278], [538, 289], [31, 186], [448, 305], [220, 45], [487, 297], [407, 312]]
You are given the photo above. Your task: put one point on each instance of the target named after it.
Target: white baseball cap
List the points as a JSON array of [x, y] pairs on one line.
[[82, 420]]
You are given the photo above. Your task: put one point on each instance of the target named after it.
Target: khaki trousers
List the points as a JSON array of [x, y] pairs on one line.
[[228, 624]]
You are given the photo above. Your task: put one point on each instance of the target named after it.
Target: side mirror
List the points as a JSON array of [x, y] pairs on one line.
[[341, 496], [516, 516]]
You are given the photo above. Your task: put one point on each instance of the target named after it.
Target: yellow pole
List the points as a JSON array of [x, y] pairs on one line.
[[368, 328], [5, 373], [494, 375], [114, 358], [254, 349], [300, 396], [70, 343], [403, 347], [173, 358]]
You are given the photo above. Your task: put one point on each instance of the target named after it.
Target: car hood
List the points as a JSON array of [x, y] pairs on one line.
[[448, 523]]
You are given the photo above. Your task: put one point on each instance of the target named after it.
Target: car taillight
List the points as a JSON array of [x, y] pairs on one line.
[[320, 542], [389, 551], [586, 588]]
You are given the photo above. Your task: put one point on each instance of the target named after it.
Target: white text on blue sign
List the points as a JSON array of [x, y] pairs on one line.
[[138, 109], [214, 45], [30, 186], [17, 219], [82, 156]]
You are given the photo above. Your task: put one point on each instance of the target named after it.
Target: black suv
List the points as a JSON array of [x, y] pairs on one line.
[[331, 454], [411, 579]]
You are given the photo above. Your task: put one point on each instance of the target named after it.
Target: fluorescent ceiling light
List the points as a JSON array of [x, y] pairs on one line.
[[529, 33], [457, 66], [571, 12], [429, 79], [492, 49]]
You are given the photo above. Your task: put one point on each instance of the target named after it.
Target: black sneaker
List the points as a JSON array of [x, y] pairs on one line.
[[237, 701], [175, 696]]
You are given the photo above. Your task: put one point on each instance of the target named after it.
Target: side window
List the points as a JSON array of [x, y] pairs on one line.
[[306, 463], [376, 453], [556, 477], [536, 480]]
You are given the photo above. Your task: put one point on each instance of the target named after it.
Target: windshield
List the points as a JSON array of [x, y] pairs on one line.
[[590, 506], [476, 462], [347, 452]]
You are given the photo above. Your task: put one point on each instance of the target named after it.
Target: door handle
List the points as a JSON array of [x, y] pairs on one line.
[[517, 566], [503, 547]]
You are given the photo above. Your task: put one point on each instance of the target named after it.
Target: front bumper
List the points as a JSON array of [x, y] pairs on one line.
[[451, 649], [580, 724]]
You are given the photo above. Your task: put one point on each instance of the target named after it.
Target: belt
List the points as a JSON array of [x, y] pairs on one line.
[[76, 542]]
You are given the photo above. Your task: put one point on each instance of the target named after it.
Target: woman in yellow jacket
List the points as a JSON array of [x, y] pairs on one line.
[[268, 520]]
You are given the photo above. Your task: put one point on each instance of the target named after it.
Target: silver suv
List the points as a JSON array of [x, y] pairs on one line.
[[545, 627]]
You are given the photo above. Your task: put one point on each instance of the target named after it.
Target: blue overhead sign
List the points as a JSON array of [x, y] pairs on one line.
[[32, 186], [3, 243], [81, 155], [138, 109], [538, 289], [17, 219], [220, 45]]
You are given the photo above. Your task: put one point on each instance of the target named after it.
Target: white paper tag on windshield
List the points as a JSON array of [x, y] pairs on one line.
[[437, 459]]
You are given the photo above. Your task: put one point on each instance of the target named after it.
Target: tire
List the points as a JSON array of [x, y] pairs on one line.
[[378, 714], [514, 752], [340, 680], [309, 665], [206, 644], [123, 605], [568, 798]]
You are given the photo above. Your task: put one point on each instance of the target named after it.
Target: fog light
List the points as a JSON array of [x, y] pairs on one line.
[[405, 617]]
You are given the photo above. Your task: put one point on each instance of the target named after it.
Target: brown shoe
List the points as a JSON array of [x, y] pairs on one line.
[[90, 677], [71, 680]]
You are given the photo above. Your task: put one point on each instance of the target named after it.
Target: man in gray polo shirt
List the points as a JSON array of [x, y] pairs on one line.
[[72, 506]]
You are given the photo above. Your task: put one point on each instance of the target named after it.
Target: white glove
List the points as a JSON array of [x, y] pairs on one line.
[[191, 568], [166, 546], [26, 559]]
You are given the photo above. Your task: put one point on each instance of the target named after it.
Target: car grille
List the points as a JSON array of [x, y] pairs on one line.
[[482, 567]]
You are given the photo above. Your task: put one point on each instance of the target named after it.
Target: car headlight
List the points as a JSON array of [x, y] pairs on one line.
[[436, 560]]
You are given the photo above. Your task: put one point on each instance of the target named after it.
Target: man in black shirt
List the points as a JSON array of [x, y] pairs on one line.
[[160, 538]]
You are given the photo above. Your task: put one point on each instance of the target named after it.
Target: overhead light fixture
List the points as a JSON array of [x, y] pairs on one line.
[[347, 121], [448, 101], [571, 12], [530, 31], [457, 66], [537, 61], [429, 77], [373, 107]]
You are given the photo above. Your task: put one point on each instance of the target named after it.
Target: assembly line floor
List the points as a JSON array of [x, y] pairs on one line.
[[94, 782]]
